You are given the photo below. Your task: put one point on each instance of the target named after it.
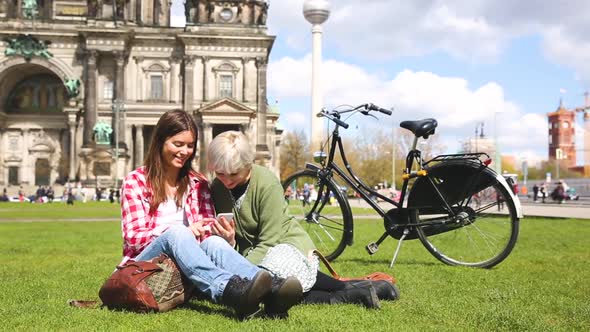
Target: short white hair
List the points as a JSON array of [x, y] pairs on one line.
[[229, 152]]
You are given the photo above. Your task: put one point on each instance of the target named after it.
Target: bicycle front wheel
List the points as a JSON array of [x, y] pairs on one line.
[[321, 209], [485, 228]]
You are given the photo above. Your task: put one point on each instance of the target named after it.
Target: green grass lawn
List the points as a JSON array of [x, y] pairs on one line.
[[544, 284], [60, 211]]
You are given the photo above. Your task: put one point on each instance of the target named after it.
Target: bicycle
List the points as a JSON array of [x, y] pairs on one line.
[[439, 210]]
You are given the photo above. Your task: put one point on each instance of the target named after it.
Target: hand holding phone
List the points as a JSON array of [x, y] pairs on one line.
[[225, 228], [228, 216]]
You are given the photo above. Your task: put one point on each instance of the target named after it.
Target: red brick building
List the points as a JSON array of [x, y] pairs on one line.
[[562, 132]]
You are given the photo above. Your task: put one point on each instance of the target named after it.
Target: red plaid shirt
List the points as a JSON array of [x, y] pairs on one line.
[[139, 227]]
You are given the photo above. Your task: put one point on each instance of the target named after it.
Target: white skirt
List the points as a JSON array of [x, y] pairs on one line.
[[284, 260]]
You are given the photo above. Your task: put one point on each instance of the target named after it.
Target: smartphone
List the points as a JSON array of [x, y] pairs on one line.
[[228, 216]]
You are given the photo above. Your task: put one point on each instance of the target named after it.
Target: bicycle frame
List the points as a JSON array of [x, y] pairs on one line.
[[351, 179], [414, 156]]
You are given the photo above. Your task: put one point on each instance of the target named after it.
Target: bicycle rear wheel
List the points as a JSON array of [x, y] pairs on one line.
[[486, 228], [323, 212]]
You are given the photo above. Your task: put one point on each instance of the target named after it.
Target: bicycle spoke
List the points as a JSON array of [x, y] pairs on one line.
[[320, 213]]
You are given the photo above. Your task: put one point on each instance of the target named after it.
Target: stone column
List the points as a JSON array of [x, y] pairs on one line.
[[262, 151], [205, 61], [207, 134], [26, 171], [139, 80], [174, 79], [207, 138], [138, 145], [131, 13], [129, 144], [72, 127], [19, 9], [3, 177], [90, 99], [189, 69], [120, 94], [245, 83]]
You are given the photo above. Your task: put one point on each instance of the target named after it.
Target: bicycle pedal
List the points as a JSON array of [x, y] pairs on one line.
[[372, 248]]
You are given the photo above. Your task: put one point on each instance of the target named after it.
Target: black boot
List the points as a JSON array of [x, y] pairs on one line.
[[244, 295], [284, 294], [361, 292], [384, 289]]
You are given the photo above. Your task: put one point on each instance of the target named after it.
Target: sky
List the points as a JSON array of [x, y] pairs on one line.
[[462, 62]]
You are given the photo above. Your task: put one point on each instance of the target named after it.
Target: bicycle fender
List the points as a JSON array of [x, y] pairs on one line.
[[453, 172], [515, 198]]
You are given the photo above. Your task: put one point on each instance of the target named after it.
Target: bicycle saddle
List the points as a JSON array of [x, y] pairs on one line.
[[420, 128]]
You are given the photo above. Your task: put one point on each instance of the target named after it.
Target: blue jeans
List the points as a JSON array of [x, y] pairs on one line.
[[209, 265]]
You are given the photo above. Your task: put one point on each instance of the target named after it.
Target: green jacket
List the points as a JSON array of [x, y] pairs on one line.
[[262, 221]]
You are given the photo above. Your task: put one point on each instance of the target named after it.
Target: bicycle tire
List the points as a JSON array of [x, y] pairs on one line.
[[330, 225], [487, 233]]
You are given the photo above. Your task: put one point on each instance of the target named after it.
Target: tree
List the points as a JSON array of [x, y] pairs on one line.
[[294, 153]]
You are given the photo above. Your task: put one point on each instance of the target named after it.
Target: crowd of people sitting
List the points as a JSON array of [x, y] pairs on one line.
[[560, 193], [71, 193]]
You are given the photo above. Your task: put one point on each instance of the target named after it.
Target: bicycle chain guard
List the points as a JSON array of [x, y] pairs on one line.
[[395, 222]]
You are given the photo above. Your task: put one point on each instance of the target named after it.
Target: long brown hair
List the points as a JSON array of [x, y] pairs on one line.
[[170, 124]]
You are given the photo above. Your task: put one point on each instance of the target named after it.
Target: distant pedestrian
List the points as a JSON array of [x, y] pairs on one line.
[[50, 194], [535, 192], [112, 196], [306, 194], [499, 200], [543, 192], [70, 200], [21, 194]]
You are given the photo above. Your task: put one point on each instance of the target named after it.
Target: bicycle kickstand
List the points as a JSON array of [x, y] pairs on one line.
[[399, 244]]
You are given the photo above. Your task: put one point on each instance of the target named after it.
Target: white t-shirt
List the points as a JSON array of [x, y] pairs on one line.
[[170, 214]]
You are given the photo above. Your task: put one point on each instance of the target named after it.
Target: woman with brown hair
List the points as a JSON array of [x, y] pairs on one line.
[[167, 208]]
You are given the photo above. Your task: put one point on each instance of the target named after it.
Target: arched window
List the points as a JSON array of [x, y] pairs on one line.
[[37, 94], [225, 75], [157, 75]]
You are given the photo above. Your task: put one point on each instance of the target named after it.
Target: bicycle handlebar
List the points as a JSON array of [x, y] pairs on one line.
[[373, 107], [333, 118], [334, 115]]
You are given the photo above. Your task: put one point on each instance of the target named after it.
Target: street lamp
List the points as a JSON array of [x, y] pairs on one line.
[[393, 157], [316, 12], [118, 108], [497, 156]]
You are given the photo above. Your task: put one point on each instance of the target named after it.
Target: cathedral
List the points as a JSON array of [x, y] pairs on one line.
[[83, 83]]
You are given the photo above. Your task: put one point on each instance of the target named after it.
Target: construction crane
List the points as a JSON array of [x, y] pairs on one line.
[[584, 109]]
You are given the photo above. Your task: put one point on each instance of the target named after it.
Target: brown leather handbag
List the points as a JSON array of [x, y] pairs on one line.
[[154, 285], [371, 276]]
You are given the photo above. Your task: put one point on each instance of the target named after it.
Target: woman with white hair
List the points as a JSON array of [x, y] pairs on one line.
[[264, 232]]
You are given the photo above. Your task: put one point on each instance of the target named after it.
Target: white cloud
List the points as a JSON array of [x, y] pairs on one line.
[[476, 30], [414, 95]]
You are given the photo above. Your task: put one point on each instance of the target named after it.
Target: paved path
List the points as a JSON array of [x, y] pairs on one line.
[[552, 210], [565, 210]]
